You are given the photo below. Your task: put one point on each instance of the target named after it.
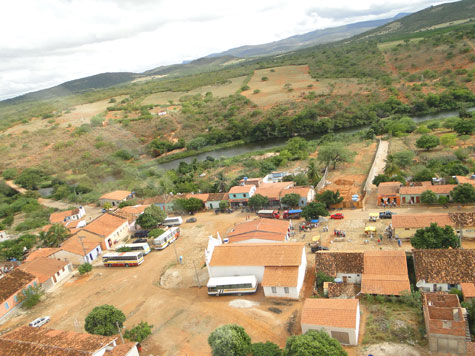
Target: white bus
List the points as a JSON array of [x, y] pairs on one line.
[[122, 259], [173, 221], [165, 239], [232, 285], [139, 246]]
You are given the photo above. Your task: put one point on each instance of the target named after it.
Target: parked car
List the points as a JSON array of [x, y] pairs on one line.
[[141, 233], [337, 216], [315, 248], [40, 321], [385, 215], [191, 220], [140, 241]]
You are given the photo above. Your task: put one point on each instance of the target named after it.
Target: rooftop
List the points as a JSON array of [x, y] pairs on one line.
[[443, 314], [445, 266], [105, 224], [159, 199], [332, 263], [43, 267], [29, 341], [217, 196], [239, 189], [266, 254], [468, 290], [42, 252], [464, 219], [116, 195], [59, 216], [136, 209], [302, 191], [273, 193], [437, 189], [202, 197], [280, 277], [340, 313], [388, 188], [73, 244], [14, 281], [417, 221], [267, 229]]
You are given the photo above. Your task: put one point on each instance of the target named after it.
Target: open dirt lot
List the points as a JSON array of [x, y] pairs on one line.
[[217, 90]]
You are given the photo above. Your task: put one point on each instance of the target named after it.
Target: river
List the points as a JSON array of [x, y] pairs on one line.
[[277, 142]]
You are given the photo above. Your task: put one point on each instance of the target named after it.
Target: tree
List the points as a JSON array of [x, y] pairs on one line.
[[85, 268], [291, 200], [465, 127], [297, 147], [423, 175], [314, 210], [30, 297], [223, 205], [428, 197], [434, 236], [334, 153], [427, 142], [229, 340], [313, 343], [147, 221], [155, 233], [221, 182], [448, 140], [381, 178], [265, 349], [193, 205], [403, 158], [103, 320], [158, 213], [258, 201], [463, 193], [329, 197], [55, 235], [312, 173], [139, 332], [470, 306]]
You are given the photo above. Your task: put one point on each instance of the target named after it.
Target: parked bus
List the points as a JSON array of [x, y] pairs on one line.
[[142, 246], [232, 285], [165, 239], [292, 214], [270, 214], [122, 259], [173, 221]]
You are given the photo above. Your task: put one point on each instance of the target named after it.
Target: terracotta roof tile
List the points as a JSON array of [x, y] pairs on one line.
[[465, 180], [417, 221], [73, 244], [280, 277], [121, 350], [59, 217], [388, 188], [159, 199], [14, 281], [29, 341], [445, 266], [266, 254], [136, 209], [42, 252], [332, 263], [202, 197], [43, 267], [438, 189], [272, 193], [281, 185], [116, 195], [217, 196], [302, 191], [266, 229], [340, 313], [468, 290], [239, 189], [464, 219], [105, 224]]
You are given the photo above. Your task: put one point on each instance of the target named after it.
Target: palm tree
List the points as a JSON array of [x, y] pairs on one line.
[[221, 183], [312, 172], [56, 234], [391, 168]]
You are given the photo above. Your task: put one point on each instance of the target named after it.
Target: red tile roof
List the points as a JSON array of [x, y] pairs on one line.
[[280, 277], [202, 197], [339, 313], [73, 244], [418, 221], [116, 195], [272, 193], [266, 229], [14, 281], [43, 267], [239, 189], [59, 217], [468, 290], [217, 196], [105, 224], [388, 188], [302, 191], [437, 189], [42, 252]]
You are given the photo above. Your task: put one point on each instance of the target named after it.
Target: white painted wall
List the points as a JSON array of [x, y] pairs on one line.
[[60, 276], [280, 292], [302, 270], [229, 271], [429, 287], [256, 241], [350, 277], [119, 235], [76, 259]]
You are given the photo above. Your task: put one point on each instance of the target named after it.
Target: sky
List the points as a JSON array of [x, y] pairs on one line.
[[45, 43]]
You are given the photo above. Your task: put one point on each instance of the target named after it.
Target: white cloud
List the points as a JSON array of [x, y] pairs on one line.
[[45, 43]]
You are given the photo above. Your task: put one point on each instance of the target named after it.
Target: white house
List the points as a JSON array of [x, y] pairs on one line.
[[214, 199], [444, 269], [48, 270], [113, 229], [307, 194], [340, 318], [260, 231], [78, 251], [279, 267], [116, 197], [67, 216]]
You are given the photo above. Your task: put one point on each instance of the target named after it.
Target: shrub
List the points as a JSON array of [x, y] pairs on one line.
[[230, 339], [139, 332], [30, 297], [264, 79], [103, 320], [265, 349], [155, 232], [123, 154], [10, 173], [85, 268], [323, 277], [458, 292]]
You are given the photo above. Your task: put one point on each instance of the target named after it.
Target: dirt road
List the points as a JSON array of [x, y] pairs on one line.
[[378, 165]]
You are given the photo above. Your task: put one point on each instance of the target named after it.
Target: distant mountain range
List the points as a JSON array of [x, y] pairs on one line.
[[308, 39]]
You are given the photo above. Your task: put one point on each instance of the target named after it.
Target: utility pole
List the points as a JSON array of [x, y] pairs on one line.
[[176, 254], [197, 277], [83, 249], [120, 332]]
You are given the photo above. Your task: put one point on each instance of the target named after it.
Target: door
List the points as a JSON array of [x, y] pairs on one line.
[[344, 279], [54, 278], [341, 336]]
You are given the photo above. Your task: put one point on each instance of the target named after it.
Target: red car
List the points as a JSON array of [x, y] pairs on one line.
[[337, 216]]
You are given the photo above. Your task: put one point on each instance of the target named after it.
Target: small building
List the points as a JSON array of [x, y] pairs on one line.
[[66, 216], [165, 201], [113, 229], [405, 225], [130, 213], [214, 199], [273, 194], [464, 224], [307, 194], [279, 267], [275, 177], [251, 181], [347, 266], [240, 194], [445, 323], [49, 271], [468, 291], [412, 195], [340, 318], [260, 231], [388, 193], [42, 252], [440, 270], [11, 285], [29, 341], [116, 197], [78, 251]]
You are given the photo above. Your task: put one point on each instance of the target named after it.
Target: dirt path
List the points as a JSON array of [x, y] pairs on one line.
[[378, 165], [12, 185]]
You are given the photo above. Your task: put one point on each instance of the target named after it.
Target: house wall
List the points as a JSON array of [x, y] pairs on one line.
[[354, 278], [353, 334], [416, 198], [256, 241], [61, 275], [447, 344], [213, 204], [468, 232], [12, 302], [302, 271], [133, 352], [119, 235], [280, 292], [228, 271], [429, 287], [76, 259]]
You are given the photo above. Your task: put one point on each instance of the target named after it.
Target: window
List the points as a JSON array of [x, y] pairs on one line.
[[7, 306], [244, 195], [274, 290], [234, 195], [286, 290], [15, 298]]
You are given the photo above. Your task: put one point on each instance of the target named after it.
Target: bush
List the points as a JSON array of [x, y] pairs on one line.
[[265, 349], [103, 320], [139, 332], [10, 173], [458, 292], [30, 297], [230, 340], [124, 154], [85, 268], [429, 197], [427, 142], [323, 277], [155, 233]]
